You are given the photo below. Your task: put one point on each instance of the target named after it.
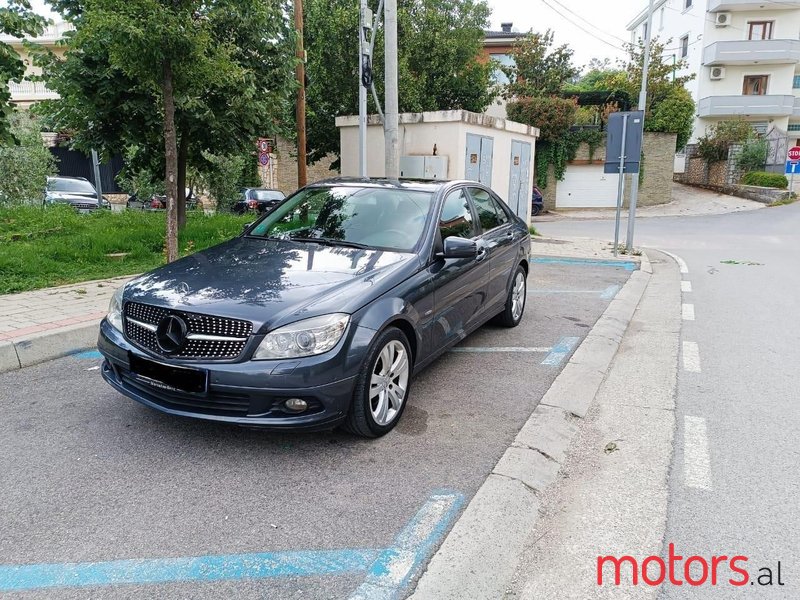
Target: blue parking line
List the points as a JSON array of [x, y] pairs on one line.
[[195, 568], [610, 292], [587, 262], [388, 569], [87, 355], [396, 566], [560, 351]]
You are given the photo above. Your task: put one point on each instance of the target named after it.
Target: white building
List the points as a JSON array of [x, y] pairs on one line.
[[745, 55]]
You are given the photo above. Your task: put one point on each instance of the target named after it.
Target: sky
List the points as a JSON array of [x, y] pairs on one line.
[[605, 20]]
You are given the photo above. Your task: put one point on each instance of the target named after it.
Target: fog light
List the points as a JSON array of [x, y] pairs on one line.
[[296, 404]]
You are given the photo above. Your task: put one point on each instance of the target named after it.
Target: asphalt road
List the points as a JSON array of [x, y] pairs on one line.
[[88, 476], [734, 480]]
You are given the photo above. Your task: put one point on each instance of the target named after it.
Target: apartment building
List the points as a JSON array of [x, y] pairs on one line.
[[745, 55]]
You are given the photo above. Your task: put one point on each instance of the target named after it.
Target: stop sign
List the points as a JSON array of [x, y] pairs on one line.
[[794, 153]]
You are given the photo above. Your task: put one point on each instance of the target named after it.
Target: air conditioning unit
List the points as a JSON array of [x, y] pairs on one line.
[[717, 73], [722, 19]]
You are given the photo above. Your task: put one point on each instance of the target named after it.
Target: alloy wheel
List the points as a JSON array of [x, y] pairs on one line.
[[389, 383], [518, 296]]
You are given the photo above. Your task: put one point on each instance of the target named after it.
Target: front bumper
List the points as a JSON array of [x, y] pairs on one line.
[[247, 393]]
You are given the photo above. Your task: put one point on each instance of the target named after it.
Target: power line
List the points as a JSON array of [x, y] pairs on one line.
[[592, 25], [563, 16]]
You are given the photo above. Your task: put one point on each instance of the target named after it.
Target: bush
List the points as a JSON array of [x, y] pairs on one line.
[[753, 156], [762, 179], [24, 167], [674, 114], [552, 115], [715, 144]]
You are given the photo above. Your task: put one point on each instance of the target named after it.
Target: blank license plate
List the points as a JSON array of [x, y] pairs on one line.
[[169, 377]]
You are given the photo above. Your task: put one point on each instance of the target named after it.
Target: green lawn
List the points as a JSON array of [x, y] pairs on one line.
[[55, 246]]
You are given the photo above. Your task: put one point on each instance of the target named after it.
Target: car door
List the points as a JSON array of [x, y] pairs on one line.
[[459, 283], [501, 240]]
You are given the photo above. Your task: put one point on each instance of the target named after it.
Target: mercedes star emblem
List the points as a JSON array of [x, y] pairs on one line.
[[171, 334]]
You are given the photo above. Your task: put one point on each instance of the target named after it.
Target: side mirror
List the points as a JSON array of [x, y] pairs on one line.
[[458, 247]]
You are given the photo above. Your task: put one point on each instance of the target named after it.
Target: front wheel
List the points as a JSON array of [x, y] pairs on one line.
[[382, 386], [515, 303]]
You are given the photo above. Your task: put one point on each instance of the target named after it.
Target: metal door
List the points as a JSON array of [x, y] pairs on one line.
[[519, 188], [480, 151]]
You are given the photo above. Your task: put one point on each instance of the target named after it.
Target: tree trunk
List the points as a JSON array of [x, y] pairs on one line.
[[171, 153], [183, 154]]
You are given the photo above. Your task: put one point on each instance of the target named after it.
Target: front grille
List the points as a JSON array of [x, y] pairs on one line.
[[228, 336], [85, 205]]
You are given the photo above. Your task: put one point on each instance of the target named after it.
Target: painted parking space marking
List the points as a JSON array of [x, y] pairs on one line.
[[610, 292], [388, 569], [687, 312], [628, 265], [481, 349], [691, 357], [686, 286], [696, 461], [195, 568], [396, 566], [606, 294], [87, 355], [560, 351]]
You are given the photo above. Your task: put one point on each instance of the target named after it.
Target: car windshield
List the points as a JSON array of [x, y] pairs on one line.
[[266, 195], [393, 218], [73, 186]]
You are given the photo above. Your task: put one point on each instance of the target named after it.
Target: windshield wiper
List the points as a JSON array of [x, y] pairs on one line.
[[330, 242]]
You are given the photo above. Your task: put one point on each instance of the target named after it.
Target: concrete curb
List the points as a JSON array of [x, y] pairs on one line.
[[47, 345], [491, 533]]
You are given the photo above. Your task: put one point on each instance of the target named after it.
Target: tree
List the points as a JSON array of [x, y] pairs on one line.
[[24, 166], [16, 19], [551, 114], [439, 67], [674, 114], [539, 69], [175, 78]]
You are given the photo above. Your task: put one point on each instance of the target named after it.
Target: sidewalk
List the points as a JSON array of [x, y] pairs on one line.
[[51, 322], [687, 201]]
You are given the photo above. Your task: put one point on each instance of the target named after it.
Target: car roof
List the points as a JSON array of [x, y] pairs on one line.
[[423, 185], [65, 177]]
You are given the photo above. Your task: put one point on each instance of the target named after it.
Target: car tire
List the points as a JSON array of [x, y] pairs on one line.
[[535, 210], [376, 415], [513, 312]]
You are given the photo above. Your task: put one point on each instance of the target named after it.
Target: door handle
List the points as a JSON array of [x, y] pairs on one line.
[[481, 253]]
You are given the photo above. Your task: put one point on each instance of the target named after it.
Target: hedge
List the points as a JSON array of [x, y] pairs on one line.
[[762, 179]]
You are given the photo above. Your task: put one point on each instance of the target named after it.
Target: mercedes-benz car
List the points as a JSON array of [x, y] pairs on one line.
[[77, 192], [320, 312]]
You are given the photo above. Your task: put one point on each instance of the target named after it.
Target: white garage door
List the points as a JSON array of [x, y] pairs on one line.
[[586, 186]]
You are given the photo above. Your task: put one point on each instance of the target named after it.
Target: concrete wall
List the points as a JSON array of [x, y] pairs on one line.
[[656, 185]]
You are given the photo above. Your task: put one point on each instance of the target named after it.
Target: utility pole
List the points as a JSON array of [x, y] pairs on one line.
[[364, 80], [390, 124], [642, 107], [300, 108], [98, 185]]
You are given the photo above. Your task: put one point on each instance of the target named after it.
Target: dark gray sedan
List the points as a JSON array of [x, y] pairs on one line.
[[321, 311]]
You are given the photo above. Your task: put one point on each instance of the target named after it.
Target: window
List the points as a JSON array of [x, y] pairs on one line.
[[500, 60], [661, 19], [456, 219], [644, 31], [796, 84], [794, 126], [684, 46], [755, 85], [687, 4], [490, 214], [759, 30]]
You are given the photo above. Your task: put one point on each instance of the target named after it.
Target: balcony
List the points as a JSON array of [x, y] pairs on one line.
[[752, 52], [727, 5], [761, 106], [30, 91]]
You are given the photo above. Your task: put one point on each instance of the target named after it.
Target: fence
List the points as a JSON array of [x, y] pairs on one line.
[[71, 163]]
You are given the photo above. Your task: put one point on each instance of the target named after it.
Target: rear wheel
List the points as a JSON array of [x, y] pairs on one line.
[[515, 303], [382, 386], [535, 209]]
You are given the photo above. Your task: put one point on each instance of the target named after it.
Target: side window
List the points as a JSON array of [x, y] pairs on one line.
[[456, 218], [490, 214]]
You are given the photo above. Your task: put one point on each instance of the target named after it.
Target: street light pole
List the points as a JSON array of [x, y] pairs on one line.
[[642, 107], [364, 22], [391, 124], [300, 107]]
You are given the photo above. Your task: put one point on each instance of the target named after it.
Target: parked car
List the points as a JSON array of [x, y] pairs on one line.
[[78, 192], [159, 201], [322, 310], [258, 200], [537, 202]]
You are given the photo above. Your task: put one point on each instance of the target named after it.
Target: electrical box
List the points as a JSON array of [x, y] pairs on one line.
[[423, 167]]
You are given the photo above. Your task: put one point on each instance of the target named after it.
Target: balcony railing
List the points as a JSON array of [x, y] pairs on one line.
[[749, 52], [728, 5], [30, 91], [729, 106]]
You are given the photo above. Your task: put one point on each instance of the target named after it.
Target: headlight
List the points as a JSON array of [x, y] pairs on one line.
[[304, 338], [114, 316]]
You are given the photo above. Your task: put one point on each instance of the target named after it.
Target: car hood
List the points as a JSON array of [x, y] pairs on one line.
[[73, 198], [273, 282]]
